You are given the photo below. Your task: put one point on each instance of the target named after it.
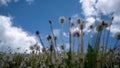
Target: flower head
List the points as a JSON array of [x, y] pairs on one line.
[[37, 33], [78, 20], [62, 47], [31, 47], [91, 26], [104, 24], [82, 25], [48, 37], [99, 28], [72, 25], [76, 34], [69, 18], [117, 35], [50, 22], [55, 37], [62, 19]]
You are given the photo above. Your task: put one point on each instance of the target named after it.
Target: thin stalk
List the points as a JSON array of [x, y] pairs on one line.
[[42, 42], [79, 44], [73, 43], [107, 39], [115, 45], [89, 37], [62, 34], [53, 36], [104, 35], [82, 48], [70, 37]]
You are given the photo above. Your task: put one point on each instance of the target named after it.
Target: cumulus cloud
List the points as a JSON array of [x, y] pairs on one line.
[[6, 2], [13, 37], [29, 1], [93, 9]]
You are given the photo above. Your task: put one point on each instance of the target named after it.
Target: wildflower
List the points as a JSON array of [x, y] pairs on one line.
[[48, 37], [112, 18], [37, 48], [43, 50], [58, 61], [76, 34], [26, 58], [117, 35], [78, 21], [82, 25], [62, 47], [69, 19], [37, 32], [62, 19], [43, 66], [8, 57], [99, 28], [55, 37], [50, 22], [31, 47], [91, 26], [23, 65], [104, 24], [72, 25], [62, 66]]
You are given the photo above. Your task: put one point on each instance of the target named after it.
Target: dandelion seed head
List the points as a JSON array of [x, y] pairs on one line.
[[50, 22], [78, 20], [82, 26], [48, 38], [117, 35], [62, 19], [55, 37], [37, 32]]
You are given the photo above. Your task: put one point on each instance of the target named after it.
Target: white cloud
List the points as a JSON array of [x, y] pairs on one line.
[[14, 37], [6, 2], [94, 8], [88, 7], [29, 1]]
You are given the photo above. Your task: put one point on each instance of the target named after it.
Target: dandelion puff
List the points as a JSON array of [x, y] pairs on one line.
[[79, 21], [37, 33], [43, 65], [55, 37], [62, 19], [31, 47], [37, 48], [8, 57], [48, 38], [26, 58], [50, 22], [117, 35], [99, 28], [76, 34], [82, 26], [91, 26], [23, 65], [62, 46]]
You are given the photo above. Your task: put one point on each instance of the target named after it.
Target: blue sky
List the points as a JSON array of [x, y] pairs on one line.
[[35, 16], [27, 16]]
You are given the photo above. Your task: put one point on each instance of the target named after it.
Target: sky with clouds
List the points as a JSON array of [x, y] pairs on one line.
[[19, 19]]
